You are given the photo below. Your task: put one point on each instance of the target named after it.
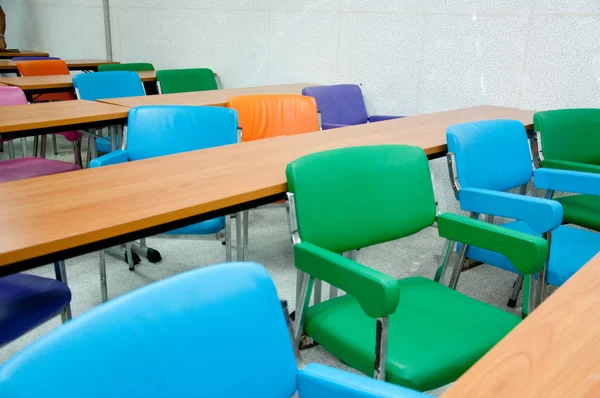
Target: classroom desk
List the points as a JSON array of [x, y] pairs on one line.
[[54, 117], [60, 216], [555, 352], [207, 98], [22, 53], [9, 66], [33, 85]]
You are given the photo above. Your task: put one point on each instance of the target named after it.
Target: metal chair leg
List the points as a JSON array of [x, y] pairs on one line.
[[381, 344], [24, 147], [60, 270], [129, 255], [246, 221], [318, 289], [512, 301], [43, 146], [11, 149], [440, 273], [458, 267], [77, 152], [36, 141], [238, 236], [228, 238], [301, 306], [54, 146], [103, 283]]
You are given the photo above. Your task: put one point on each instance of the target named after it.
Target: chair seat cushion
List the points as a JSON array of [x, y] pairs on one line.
[[27, 301], [570, 249], [22, 168], [581, 210], [435, 334], [202, 228]]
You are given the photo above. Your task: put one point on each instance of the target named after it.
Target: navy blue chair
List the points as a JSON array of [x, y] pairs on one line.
[[342, 105], [27, 301], [488, 158], [95, 86], [34, 58], [218, 331], [165, 130]]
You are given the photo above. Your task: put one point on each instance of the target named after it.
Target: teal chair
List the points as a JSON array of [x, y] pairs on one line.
[[413, 332]]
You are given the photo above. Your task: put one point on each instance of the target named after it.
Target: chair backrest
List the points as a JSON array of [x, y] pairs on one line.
[[43, 68], [199, 333], [350, 198], [95, 86], [132, 66], [167, 129], [265, 116], [490, 154], [185, 80], [34, 58], [572, 135], [12, 96], [339, 104]]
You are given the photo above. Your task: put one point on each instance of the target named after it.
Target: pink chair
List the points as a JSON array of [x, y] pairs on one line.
[[26, 167], [15, 96]]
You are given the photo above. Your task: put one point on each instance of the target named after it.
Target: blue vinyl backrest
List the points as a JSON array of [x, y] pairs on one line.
[[490, 154], [217, 331], [339, 104], [102, 85], [158, 130]]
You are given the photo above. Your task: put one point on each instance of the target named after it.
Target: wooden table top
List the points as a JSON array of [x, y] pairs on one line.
[[55, 81], [57, 114], [22, 53], [7, 65], [54, 214], [210, 97], [555, 352]]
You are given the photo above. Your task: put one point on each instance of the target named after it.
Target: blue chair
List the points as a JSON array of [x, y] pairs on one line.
[[165, 130], [342, 105], [218, 331], [488, 158], [95, 86], [34, 58], [27, 301]]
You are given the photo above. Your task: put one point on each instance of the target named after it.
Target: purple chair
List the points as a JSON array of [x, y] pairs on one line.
[[342, 105], [33, 58], [14, 96]]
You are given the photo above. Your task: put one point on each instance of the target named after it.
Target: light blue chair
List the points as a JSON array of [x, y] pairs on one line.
[[218, 331], [165, 130], [95, 86], [488, 158]]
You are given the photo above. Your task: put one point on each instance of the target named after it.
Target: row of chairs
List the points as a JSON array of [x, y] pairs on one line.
[[413, 332]]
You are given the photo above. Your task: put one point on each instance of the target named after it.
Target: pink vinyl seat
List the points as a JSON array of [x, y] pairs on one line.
[[22, 168]]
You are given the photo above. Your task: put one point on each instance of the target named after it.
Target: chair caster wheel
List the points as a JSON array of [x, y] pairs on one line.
[[511, 303], [136, 260], [153, 255]]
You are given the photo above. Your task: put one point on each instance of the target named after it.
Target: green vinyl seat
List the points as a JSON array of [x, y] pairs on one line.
[[569, 139], [129, 67], [185, 80], [413, 332]]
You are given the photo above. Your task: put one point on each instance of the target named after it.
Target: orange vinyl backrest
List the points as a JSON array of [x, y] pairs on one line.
[[46, 68], [265, 116]]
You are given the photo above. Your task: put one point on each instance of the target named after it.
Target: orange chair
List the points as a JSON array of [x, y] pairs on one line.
[[48, 68], [267, 116]]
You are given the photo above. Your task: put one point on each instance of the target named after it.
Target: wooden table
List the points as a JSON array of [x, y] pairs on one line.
[[22, 53], [53, 117], [60, 216], [555, 352], [9, 66], [33, 85], [210, 97]]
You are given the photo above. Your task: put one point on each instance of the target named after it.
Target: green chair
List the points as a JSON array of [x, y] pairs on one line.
[[184, 80], [131, 67], [413, 332], [569, 139]]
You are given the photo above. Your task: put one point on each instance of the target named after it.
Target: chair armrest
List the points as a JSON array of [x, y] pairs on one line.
[[541, 215], [565, 165], [567, 181], [380, 118], [316, 381], [376, 292], [527, 253], [115, 157], [328, 126]]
